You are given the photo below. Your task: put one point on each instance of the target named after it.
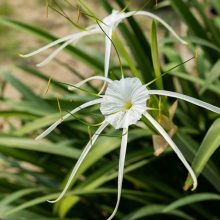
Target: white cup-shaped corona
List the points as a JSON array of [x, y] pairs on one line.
[[124, 102]]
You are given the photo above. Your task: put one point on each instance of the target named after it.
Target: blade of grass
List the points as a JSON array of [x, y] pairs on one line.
[[196, 80], [187, 200], [41, 146], [189, 148], [126, 56], [155, 209], [40, 75], [195, 40], [209, 145], [24, 90], [212, 77], [17, 195], [155, 55], [27, 106]]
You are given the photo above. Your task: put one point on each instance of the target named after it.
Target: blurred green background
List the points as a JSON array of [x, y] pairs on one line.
[[32, 172]]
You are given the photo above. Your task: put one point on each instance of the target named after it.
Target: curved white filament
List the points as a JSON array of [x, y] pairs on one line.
[[186, 98], [151, 15], [173, 146], [68, 37], [71, 88], [54, 125], [74, 39], [80, 160], [121, 169], [54, 53]]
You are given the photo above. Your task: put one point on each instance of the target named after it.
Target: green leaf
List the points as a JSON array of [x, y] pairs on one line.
[[30, 203], [24, 90], [86, 192], [42, 146], [37, 124], [155, 55], [189, 147], [156, 209], [212, 76], [18, 194], [193, 39], [126, 56], [27, 106], [196, 80], [40, 75], [187, 200], [19, 180], [209, 145], [17, 115]]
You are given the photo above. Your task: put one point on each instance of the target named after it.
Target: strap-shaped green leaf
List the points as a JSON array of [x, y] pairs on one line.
[[154, 209], [155, 55], [187, 200], [24, 90], [209, 145]]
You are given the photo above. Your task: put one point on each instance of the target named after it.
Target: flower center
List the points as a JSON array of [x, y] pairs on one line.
[[124, 102], [128, 105]]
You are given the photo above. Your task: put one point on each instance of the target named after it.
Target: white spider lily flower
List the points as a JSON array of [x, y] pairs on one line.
[[122, 105], [106, 27]]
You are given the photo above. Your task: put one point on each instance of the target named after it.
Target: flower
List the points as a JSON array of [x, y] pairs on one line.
[[122, 105], [106, 26]]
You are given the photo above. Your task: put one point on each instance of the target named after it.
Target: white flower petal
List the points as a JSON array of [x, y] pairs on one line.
[[112, 20], [75, 36], [121, 16], [53, 54], [74, 39], [186, 98], [68, 37], [71, 88], [54, 125], [151, 15], [121, 169], [80, 160], [108, 24], [174, 147]]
